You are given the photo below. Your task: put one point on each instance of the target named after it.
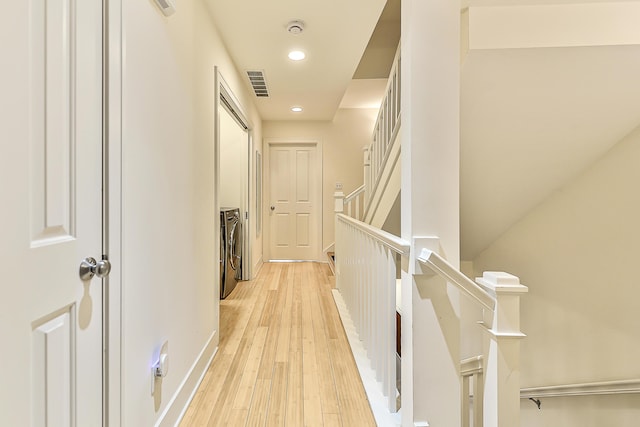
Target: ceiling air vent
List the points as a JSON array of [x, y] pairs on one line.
[[166, 6], [259, 85]]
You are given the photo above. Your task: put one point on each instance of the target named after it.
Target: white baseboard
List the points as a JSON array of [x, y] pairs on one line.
[[177, 406]]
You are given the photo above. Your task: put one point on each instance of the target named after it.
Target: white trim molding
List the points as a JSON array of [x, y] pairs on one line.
[[554, 25], [179, 403], [584, 389]]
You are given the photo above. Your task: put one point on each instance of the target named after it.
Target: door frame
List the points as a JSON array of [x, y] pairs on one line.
[[112, 53], [223, 91], [268, 143]]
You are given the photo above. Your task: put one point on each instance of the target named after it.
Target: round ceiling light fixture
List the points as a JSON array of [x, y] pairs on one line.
[[296, 109], [297, 55], [295, 27]]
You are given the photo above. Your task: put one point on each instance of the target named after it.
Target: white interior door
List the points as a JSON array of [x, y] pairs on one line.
[[51, 163], [234, 179], [235, 147], [295, 195]]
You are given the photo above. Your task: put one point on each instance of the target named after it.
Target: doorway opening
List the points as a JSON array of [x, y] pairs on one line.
[[233, 147]]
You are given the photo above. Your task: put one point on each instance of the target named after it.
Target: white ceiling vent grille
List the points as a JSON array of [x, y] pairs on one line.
[[258, 83], [166, 6]]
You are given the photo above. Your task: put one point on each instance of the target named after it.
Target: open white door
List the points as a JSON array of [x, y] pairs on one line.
[[234, 147], [295, 208], [51, 163]]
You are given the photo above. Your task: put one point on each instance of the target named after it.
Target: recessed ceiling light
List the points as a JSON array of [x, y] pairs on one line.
[[296, 109], [297, 55]]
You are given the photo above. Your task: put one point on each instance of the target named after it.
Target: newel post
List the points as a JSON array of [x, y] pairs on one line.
[[502, 372], [367, 174], [338, 198]]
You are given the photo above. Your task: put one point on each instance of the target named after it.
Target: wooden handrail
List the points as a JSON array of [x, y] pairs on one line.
[[585, 389], [355, 193], [394, 243], [440, 266], [471, 366]]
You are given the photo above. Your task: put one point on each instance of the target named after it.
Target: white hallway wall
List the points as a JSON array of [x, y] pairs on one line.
[[169, 228], [577, 252], [342, 160]]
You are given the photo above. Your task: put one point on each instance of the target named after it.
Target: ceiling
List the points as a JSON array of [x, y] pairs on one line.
[[336, 33]]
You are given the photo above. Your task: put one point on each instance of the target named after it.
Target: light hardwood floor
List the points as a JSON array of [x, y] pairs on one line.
[[283, 359]]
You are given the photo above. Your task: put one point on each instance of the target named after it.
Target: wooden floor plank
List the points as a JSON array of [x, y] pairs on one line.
[[295, 342], [356, 412], [211, 391], [328, 396], [284, 334], [274, 324], [223, 405], [238, 417], [198, 398], [295, 393], [283, 357], [332, 420], [236, 311], [278, 398], [260, 403], [269, 306], [244, 394], [310, 371]]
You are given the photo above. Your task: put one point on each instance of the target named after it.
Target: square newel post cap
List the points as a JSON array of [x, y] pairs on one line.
[[507, 290], [501, 283], [338, 198], [366, 157]]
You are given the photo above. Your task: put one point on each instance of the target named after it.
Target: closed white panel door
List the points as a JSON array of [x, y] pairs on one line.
[[295, 202], [51, 216]]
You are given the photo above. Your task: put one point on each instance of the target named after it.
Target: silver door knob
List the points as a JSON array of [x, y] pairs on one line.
[[89, 267], [273, 208]]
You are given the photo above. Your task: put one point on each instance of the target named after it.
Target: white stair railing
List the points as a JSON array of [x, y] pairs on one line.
[[498, 293], [354, 203], [366, 268], [385, 130], [472, 375]]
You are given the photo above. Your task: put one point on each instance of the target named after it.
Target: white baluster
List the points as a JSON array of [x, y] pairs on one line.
[[471, 370], [478, 399], [390, 302], [377, 315], [370, 261], [367, 284], [358, 292], [465, 407]]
